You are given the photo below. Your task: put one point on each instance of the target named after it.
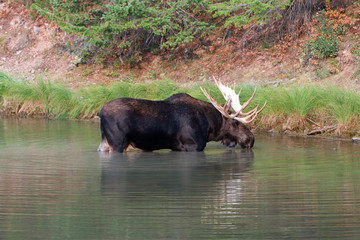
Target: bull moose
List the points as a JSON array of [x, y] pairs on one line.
[[179, 123]]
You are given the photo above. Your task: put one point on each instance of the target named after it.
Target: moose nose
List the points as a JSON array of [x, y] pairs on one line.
[[232, 144], [247, 145], [250, 144]]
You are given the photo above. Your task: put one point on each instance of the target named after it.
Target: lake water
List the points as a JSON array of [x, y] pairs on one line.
[[54, 185]]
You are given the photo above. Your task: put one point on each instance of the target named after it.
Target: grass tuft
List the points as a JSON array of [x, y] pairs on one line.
[[343, 105], [295, 101]]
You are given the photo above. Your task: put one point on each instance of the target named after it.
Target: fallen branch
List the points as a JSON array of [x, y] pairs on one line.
[[322, 130], [313, 122]]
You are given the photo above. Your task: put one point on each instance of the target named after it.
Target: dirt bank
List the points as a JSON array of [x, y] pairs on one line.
[[35, 47]]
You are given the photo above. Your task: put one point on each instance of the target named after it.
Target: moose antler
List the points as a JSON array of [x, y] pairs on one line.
[[232, 100]]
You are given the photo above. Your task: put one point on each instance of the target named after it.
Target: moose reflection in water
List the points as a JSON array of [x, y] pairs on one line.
[[183, 188], [179, 123], [177, 172]]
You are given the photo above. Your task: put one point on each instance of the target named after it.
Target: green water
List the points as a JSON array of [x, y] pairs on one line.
[[54, 185]]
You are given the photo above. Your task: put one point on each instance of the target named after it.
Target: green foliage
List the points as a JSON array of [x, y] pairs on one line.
[[241, 12], [126, 29], [296, 101], [60, 101], [300, 102], [123, 32], [342, 104], [325, 42], [5, 82]]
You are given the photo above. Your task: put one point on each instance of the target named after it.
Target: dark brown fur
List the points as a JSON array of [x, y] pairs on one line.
[[179, 123]]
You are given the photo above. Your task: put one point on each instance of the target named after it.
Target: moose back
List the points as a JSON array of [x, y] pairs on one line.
[[179, 123]]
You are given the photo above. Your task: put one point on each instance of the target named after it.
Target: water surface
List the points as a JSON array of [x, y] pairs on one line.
[[54, 185]]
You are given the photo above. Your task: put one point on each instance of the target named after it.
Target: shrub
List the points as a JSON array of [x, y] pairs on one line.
[[239, 12], [124, 30], [324, 43]]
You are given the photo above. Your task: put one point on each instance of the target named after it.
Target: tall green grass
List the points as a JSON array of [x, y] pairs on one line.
[[342, 104], [295, 101], [327, 104], [59, 101]]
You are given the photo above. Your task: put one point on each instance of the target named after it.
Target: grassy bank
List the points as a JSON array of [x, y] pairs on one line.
[[301, 109]]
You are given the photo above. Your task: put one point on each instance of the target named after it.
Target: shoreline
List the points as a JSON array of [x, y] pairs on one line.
[[95, 120], [299, 109]]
